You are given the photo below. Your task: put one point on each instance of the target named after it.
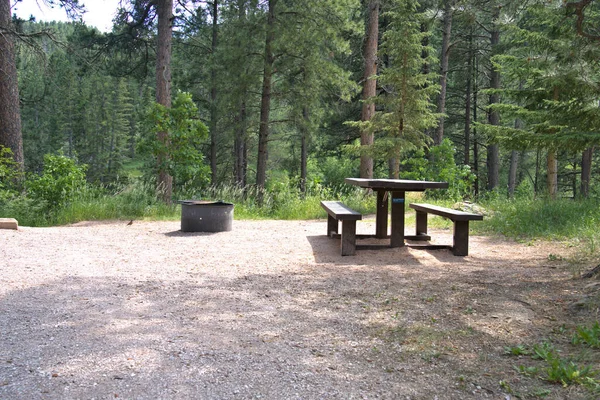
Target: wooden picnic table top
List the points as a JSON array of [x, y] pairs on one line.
[[396, 184]]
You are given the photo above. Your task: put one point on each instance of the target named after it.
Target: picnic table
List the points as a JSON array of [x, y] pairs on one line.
[[398, 189]]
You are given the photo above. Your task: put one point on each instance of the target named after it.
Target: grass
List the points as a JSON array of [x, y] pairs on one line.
[[550, 365], [574, 221]]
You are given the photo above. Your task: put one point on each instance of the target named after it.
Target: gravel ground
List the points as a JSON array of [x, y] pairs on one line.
[[270, 310]]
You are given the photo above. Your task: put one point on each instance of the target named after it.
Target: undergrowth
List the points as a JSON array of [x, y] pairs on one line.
[[564, 366]]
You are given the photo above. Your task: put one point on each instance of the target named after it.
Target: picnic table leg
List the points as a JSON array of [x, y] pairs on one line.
[[348, 238], [332, 226], [461, 238], [381, 217], [397, 239], [421, 223]]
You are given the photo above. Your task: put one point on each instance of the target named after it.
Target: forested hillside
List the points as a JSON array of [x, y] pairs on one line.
[[488, 95]]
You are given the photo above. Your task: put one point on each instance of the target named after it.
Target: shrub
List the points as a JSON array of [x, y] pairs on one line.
[[58, 183], [440, 166], [182, 157]]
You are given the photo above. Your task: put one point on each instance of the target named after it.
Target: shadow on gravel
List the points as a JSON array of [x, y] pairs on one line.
[[327, 332]]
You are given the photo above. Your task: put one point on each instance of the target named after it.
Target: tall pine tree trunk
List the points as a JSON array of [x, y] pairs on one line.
[[163, 89], [552, 173], [10, 114], [369, 85], [213, 94], [467, 131], [240, 145], [444, 62], [512, 173], [493, 153], [586, 171], [475, 141], [552, 162], [304, 148], [265, 106]]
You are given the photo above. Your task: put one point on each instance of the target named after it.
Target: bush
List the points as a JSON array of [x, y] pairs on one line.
[[441, 166], [58, 183], [10, 173], [182, 156]]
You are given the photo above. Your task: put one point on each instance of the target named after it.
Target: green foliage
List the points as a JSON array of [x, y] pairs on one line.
[[567, 372], [58, 183], [557, 369], [181, 155], [405, 102], [552, 91], [440, 166], [519, 350], [542, 218], [10, 172], [331, 171], [588, 336]]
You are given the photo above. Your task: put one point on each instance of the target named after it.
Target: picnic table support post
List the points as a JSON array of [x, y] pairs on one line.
[[348, 237], [381, 217], [461, 238], [332, 226], [397, 238], [421, 223]]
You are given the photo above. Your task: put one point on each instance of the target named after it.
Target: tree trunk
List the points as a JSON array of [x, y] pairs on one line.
[[586, 171], [369, 85], [240, 146], [552, 175], [444, 61], [512, 173], [552, 163], [536, 180], [475, 142], [304, 149], [514, 162], [394, 168], [493, 153], [10, 114], [163, 90], [265, 106], [213, 94], [467, 131]]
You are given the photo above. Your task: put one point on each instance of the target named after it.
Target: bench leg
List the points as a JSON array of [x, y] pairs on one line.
[[332, 226], [421, 223], [348, 238], [461, 238]]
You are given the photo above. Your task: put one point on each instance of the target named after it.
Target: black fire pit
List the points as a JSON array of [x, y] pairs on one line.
[[206, 216]]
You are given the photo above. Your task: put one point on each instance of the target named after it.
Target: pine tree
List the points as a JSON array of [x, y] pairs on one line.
[[407, 97], [553, 90]]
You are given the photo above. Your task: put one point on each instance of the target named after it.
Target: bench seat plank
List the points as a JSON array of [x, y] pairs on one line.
[[337, 211], [340, 211], [454, 215], [460, 246]]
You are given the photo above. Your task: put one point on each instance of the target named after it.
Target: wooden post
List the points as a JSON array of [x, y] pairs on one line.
[[461, 238], [332, 226], [397, 238], [421, 223], [381, 218], [348, 237]]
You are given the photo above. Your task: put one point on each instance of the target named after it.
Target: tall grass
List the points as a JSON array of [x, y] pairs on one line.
[[549, 219], [138, 200], [564, 219]]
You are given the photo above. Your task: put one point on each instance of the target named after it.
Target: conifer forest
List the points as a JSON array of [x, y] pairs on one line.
[[493, 96]]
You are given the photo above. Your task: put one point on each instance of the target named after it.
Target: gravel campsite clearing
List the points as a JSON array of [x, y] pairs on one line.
[[271, 310]]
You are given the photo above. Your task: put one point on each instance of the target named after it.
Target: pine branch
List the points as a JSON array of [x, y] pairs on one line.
[[579, 8]]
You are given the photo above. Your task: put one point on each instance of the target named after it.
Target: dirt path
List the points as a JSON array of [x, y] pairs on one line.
[[272, 311]]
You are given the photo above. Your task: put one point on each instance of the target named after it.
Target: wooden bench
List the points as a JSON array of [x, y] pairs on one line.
[[461, 220], [337, 211]]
